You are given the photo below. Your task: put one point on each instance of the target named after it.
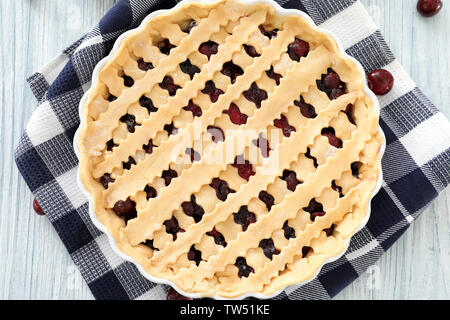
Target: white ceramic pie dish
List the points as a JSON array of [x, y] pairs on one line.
[[101, 227]]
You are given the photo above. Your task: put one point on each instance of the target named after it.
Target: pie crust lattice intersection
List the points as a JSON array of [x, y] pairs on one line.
[[229, 70]]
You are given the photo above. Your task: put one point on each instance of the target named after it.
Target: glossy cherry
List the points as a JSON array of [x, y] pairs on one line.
[[429, 8], [37, 208], [380, 81]]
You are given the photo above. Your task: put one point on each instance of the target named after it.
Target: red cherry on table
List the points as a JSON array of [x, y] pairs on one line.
[[173, 295], [37, 208], [380, 81], [429, 8]]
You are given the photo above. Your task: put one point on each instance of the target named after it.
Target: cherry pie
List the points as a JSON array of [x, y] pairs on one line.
[[229, 149]]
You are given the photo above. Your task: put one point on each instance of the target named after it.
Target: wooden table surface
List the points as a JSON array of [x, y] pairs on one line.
[[33, 262]]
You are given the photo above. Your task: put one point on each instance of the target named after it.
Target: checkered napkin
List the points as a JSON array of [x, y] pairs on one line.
[[416, 165]]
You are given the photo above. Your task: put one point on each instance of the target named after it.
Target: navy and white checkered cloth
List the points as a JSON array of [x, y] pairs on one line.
[[416, 164]]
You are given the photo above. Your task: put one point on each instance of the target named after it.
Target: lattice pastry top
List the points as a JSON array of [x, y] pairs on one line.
[[229, 149]]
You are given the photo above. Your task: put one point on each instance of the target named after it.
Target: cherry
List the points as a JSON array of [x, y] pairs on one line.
[[429, 8], [251, 51], [125, 209], [173, 295], [144, 66], [37, 208], [267, 198], [291, 179], [244, 268], [218, 237], [273, 75], [172, 227], [222, 188], [130, 121], [195, 109], [192, 209], [269, 248], [298, 49], [188, 68], [235, 114], [208, 48], [195, 255], [244, 217], [232, 70], [380, 81], [288, 231], [106, 179]]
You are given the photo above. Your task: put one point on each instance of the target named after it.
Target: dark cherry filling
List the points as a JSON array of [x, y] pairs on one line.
[[208, 48], [332, 139], [125, 209], [110, 145], [380, 81], [148, 148], [232, 70], [331, 84], [149, 243], [192, 209], [170, 129], [195, 109], [267, 198], [251, 51], [298, 49], [127, 165], [269, 248], [307, 110], [429, 8], [255, 95], [244, 268], [309, 156], [165, 46], [37, 208], [337, 188], [111, 98], [130, 121], [315, 209], [273, 75], [217, 134], [150, 192], [144, 66], [263, 144], [283, 124], [211, 90], [172, 227], [356, 166], [191, 25], [330, 230], [245, 168], [288, 231], [169, 85], [147, 103], [244, 217], [173, 295], [270, 34], [235, 115], [222, 188], [291, 179], [305, 251], [349, 112], [168, 175], [106, 179], [188, 68], [218, 237], [128, 81], [195, 156], [195, 255]]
